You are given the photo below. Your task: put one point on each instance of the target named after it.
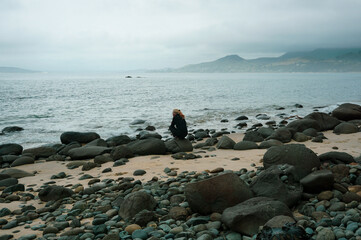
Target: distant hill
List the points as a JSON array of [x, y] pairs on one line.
[[14, 70], [319, 60]]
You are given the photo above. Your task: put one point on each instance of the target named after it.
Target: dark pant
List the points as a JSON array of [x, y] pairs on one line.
[[177, 133]]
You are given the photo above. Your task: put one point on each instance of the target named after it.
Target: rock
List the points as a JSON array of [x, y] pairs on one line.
[[151, 146], [325, 195], [241, 118], [10, 149], [22, 161], [225, 143], [145, 135], [88, 166], [325, 234], [200, 134], [121, 152], [50, 229], [87, 152], [351, 196], [245, 145], [41, 152], [54, 193], [347, 111], [8, 182], [253, 136], [263, 116], [298, 155], [302, 124], [12, 129], [8, 158], [17, 173], [134, 203], [311, 132], [80, 137], [279, 221], [137, 122], [217, 193], [269, 143], [340, 171], [178, 213], [4, 176], [336, 158], [300, 137], [118, 140], [144, 217], [139, 172], [318, 181], [178, 145], [97, 142], [73, 232], [248, 216], [131, 228], [345, 128], [14, 188], [325, 121], [265, 131], [269, 184], [101, 159], [281, 134]]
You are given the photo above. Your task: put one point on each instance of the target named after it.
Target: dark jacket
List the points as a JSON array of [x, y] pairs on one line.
[[178, 127]]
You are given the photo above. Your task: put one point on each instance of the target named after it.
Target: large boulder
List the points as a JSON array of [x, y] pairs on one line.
[[345, 128], [12, 129], [150, 146], [80, 137], [347, 111], [54, 193], [302, 124], [266, 131], [121, 152], [325, 121], [118, 140], [336, 157], [135, 202], [8, 158], [41, 152], [225, 143], [99, 142], [282, 134], [217, 193], [87, 152], [178, 145], [249, 215], [269, 143], [10, 149], [22, 161], [8, 182], [17, 173], [65, 150], [253, 136], [318, 181], [270, 183], [245, 145], [4, 176], [304, 159]]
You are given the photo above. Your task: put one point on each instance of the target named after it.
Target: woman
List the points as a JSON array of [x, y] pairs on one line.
[[178, 126]]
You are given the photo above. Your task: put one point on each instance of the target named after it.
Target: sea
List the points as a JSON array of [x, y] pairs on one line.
[[48, 104]]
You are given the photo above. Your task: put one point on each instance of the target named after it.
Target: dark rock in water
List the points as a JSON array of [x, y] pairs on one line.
[[217, 193], [297, 105], [249, 215], [265, 131], [245, 145], [22, 161], [241, 118], [300, 137], [54, 193], [282, 134], [150, 128], [80, 137], [262, 116], [242, 124], [137, 122], [225, 143], [121, 152], [149, 146], [134, 203], [145, 135], [302, 124], [118, 140], [347, 111], [253, 136], [12, 129], [345, 128], [288, 231], [65, 150], [336, 157], [311, 132], [325, 121], [139, 172], [87, 152], [178, 145], [14, 188], [40, 152], [224, 120], [298, 155], [17, 173], [269, 143], [318, 181], [269, 184], [10, 149], [97, 142]]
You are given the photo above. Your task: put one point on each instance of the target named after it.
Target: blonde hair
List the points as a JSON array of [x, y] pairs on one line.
[[177, 111]]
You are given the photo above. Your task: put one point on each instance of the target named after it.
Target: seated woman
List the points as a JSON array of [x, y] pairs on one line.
[[178, 126]]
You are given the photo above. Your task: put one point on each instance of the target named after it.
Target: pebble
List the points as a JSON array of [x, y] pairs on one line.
[[131, 228]]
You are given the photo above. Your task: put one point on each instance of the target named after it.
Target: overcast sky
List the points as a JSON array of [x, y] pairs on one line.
[[98, 35]]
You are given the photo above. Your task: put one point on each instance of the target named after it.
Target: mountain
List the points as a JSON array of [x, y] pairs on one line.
[[14, 70], [318, 60]]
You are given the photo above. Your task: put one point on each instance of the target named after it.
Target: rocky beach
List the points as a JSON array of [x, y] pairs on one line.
[[298, 178]]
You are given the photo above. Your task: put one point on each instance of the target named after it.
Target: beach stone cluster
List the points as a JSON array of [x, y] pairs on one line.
[[295, 193]]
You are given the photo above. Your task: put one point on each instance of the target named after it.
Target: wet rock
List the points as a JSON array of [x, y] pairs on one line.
[[121, 152], [283, 135], [345, 128], [325, 121], [253, 136], [149, 146], [10, 149], [217, 193], [178, 145], [347, 111], [118, 140], [12, 129], [302, 124], [54, 193], [97, 142], [136, 202], [318, 181], [41, 152], [265, 131], [80, 137], [225, 143]]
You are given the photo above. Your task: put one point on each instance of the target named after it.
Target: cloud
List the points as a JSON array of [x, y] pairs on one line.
[[131, 34]]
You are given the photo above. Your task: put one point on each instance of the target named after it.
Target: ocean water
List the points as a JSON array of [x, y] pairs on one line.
[[47, 104]]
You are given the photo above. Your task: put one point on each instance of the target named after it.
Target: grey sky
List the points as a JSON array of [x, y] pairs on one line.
[[102, 35]]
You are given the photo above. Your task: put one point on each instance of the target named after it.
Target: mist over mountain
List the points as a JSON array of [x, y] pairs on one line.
[[15, 70], [318, 60]]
